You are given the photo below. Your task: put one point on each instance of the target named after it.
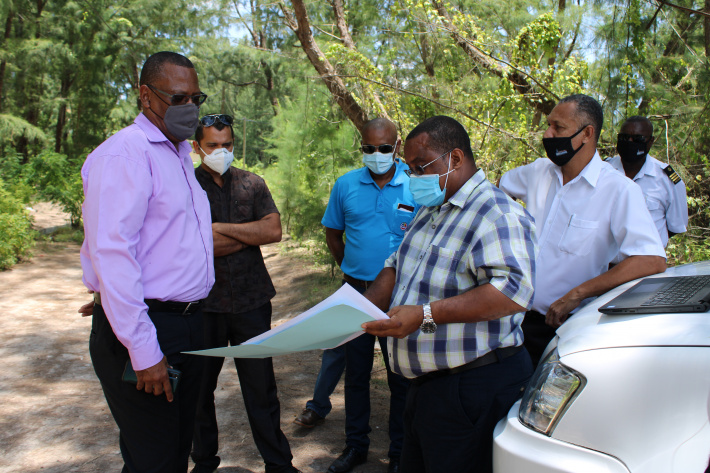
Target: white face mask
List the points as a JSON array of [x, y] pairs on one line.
[[377, 162], [219, 161]]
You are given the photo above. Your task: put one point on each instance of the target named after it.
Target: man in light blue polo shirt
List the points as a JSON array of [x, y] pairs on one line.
[[372, 208]]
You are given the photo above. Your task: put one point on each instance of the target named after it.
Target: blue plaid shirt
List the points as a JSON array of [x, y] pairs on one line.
[[479, 236]]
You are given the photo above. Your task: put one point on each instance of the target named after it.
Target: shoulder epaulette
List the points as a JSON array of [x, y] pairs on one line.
[[672, 175]]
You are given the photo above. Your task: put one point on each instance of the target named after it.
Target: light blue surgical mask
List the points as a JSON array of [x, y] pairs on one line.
[[378, 163], [425, 189]]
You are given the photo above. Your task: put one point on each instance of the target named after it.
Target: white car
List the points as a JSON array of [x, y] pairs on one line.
[[616, 394]]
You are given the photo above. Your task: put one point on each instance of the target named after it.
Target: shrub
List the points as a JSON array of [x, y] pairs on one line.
[[16, 234], [57, 178]]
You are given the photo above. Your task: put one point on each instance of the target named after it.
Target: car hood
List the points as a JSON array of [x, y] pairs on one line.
[[589, 329]]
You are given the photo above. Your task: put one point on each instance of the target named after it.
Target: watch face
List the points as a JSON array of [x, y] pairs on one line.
[[428, 327]]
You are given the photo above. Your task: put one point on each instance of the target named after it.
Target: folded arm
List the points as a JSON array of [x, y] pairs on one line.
[[232, 237]]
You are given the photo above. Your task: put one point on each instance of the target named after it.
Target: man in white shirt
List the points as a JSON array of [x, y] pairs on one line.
[[661, 185], [585, 213]]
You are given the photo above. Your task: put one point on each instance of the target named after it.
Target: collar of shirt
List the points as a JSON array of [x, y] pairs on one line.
[[649, 168], [590, 173], [465, 193], [154, 134], [204, 176]]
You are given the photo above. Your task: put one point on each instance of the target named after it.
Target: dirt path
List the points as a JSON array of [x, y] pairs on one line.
[[54, 419]]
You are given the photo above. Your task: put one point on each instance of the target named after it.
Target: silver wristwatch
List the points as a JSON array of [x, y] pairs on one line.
[[428, 325]]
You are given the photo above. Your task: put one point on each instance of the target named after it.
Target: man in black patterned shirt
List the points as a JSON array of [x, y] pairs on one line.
[[238, 308]]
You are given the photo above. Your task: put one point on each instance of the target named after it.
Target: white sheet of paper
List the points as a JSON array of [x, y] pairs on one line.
[[328, 324]]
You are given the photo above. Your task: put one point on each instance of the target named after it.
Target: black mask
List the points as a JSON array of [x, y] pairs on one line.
[[560, 150], [631, 152]]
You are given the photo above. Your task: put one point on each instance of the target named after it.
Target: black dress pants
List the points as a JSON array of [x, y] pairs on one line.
[[256, 378], [449, 421], [155, 435]]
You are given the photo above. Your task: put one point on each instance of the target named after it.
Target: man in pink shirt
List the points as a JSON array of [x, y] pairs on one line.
[[148, 257]]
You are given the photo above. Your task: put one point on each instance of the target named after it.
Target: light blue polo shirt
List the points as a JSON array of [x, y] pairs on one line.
[[374, 219]]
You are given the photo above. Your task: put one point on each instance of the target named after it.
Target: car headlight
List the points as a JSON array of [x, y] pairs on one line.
[[551, 390]]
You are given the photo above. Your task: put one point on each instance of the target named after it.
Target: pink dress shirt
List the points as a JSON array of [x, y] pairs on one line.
[[148, 232]]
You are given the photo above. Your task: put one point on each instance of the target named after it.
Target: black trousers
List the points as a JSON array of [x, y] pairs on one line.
[[449, 421], [256, 377], [537, 335], [155, 435]]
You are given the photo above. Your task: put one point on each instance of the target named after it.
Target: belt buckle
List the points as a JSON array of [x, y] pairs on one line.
[[187, 307]]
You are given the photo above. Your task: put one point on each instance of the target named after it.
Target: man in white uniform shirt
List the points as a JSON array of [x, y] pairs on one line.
[[586, 213], [661, 185]]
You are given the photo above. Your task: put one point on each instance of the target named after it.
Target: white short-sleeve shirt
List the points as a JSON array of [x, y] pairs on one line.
[[667, 202], [581, 226]]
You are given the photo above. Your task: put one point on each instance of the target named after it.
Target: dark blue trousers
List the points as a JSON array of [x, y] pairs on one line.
[[331, 369], [449, 421], [359, 356], [155, 435]]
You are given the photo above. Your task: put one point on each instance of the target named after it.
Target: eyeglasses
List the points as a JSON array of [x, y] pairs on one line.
[[419, 170], [369, 149], [180, 99], [635, 138], [211, 119]]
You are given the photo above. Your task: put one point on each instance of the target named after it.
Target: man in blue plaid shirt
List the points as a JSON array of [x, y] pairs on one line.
[[456, 291]]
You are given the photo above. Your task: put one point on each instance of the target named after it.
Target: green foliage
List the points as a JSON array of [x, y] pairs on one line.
[[315, 146], [16, 234], [57, 179]]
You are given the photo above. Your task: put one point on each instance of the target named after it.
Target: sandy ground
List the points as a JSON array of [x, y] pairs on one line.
[[53, 417]]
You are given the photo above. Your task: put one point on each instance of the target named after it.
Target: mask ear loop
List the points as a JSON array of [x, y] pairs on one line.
[[448, 170]]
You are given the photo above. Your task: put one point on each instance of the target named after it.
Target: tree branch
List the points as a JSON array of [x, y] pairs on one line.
[[448, 107]]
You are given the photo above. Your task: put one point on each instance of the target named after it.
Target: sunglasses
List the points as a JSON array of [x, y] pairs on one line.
[[419, 170], [211, 119], [180, 99], [635, 138], [369, 149]]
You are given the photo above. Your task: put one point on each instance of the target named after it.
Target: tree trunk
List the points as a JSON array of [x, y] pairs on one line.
[[3, 64], [706, 24], [348, 42], [342, 24], [62, 112], [301, 26]]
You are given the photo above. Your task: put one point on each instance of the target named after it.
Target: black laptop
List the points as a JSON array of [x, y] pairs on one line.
[[662, 295]]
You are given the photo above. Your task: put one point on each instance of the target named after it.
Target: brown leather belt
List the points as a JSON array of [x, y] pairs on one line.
[[356, 282], [495, 356], [182, 308]]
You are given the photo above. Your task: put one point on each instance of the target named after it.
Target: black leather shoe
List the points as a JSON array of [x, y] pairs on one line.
[[348, 460], [308, 419], [394, 465]]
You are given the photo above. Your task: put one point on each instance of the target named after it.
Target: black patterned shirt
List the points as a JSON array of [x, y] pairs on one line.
[[242, 282]]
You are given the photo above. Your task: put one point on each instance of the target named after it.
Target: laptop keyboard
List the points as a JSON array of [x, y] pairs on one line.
[[680, 292]]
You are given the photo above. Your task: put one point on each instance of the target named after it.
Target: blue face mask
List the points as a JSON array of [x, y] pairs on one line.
[[426, 190], [377, 162]]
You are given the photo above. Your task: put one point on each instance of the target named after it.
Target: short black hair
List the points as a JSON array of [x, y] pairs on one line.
[[639, 119], [445, 133], [200, 131], [153, 66], [589, 109]]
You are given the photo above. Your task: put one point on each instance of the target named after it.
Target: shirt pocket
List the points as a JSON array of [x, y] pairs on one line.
[[442, 266], [578, 237], [400, 221]]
